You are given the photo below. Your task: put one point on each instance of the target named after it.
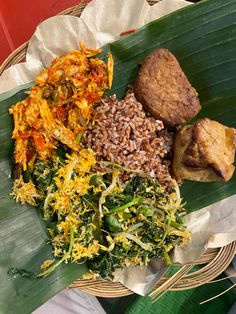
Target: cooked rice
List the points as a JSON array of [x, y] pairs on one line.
[[121, 132]]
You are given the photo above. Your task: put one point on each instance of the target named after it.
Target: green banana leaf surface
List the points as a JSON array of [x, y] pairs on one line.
[[203, 38]]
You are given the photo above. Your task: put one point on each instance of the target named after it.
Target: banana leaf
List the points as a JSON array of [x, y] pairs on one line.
[[203, 38]]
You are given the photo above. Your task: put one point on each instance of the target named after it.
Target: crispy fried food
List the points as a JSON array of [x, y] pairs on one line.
[[58, 108], [164, 90], [204, 152]]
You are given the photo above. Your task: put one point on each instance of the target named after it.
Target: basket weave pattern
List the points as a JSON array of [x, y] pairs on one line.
[[212, 263]]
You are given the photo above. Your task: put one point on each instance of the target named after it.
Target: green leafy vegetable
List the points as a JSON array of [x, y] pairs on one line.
[[138, 224], [136, 201], [113, 223]]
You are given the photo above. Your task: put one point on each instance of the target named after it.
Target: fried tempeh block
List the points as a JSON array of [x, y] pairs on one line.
[[164, 90]]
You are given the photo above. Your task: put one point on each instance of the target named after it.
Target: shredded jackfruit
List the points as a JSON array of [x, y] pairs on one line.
[[24, 193], [58, 108]]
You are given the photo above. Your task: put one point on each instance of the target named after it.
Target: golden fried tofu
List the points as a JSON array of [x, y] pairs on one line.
[[204, 152], [164, 90]]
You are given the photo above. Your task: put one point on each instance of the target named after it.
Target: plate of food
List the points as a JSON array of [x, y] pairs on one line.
[[109, 149]]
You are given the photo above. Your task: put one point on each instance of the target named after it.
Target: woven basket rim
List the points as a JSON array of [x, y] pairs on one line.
[[214, 261]]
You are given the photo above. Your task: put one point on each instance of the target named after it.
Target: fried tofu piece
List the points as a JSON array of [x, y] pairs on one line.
[[204, 152], [164, 90]]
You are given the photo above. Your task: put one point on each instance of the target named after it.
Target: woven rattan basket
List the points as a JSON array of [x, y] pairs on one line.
[[211, 264]]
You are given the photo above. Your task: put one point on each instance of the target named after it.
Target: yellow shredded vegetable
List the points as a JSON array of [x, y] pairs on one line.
[[24, 193]]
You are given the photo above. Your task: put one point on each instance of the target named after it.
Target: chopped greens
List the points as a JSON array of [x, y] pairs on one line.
[[99, 217]]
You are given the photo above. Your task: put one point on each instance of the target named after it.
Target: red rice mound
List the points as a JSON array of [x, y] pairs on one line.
[[121, 132]]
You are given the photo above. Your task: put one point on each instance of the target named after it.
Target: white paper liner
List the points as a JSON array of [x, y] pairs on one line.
[[213, 226], [101, 22]]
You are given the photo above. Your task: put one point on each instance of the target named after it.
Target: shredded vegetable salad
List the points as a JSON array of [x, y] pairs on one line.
[[99, 218], [58, 108]]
